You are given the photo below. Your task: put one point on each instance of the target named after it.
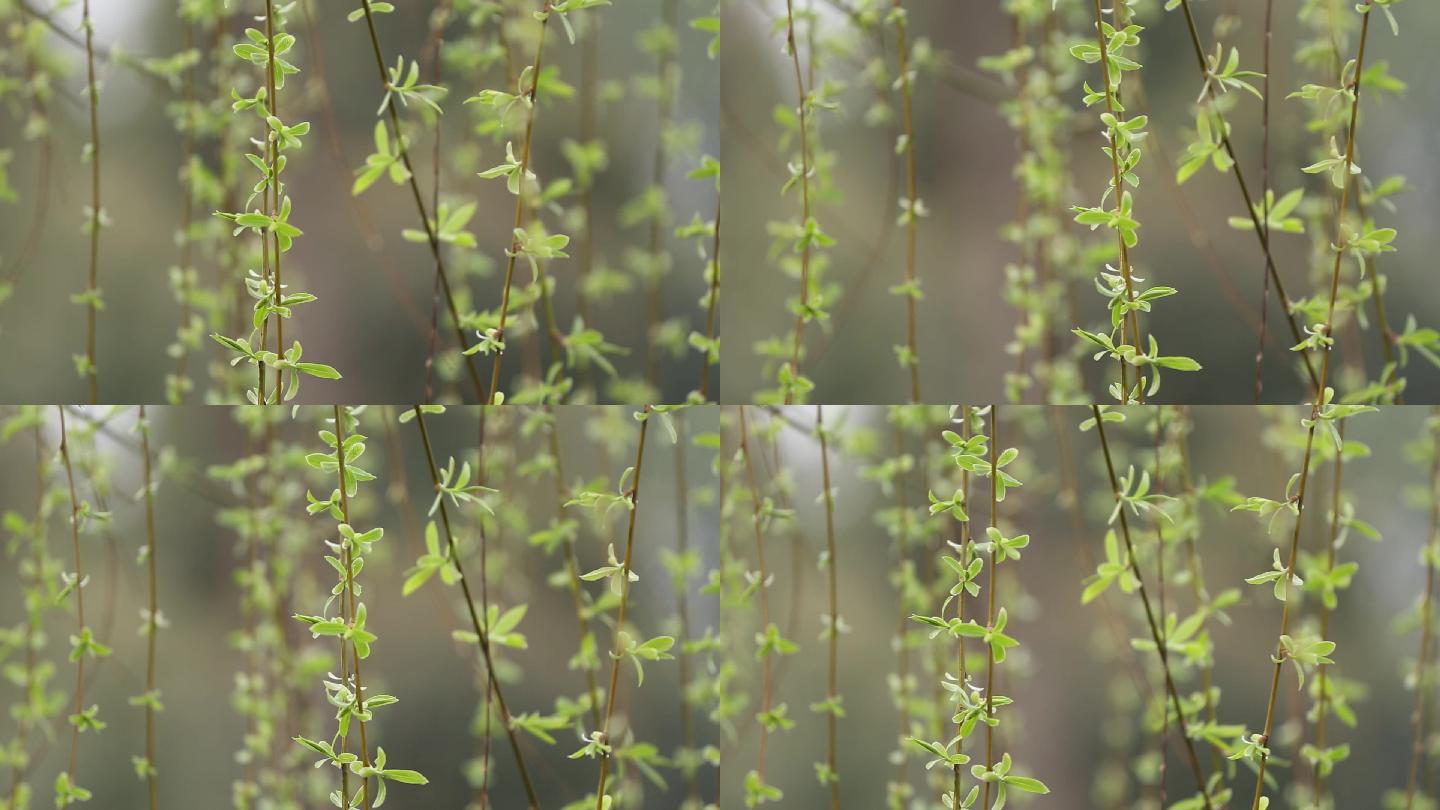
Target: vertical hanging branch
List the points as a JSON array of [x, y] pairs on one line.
[[911, 207], [996, 557], [1131, 579], [682, 567], [83, 645], [834, 626], [271, 222], [494, 340], [974, 705], [572, 562], [347, 694], [393, 157], [623, 646], [1269, 197], [1214, 147], [1329, 580], [91, 298], [791, 381], [452, 556], [757, 790], [905, 583], [153, 622], [530, 241], [1322, 411], [1119, 134]]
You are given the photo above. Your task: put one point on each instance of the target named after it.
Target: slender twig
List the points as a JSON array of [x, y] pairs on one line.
[[514, 252], [92, 289], [349, 599], [152, 623], [1132, 320], [803, 102], [273, 145], [359, 212], [572, 565], [475, 623], [1278, 657], [912, 216], [634, 496], [682, 534], [965, 549], [902, 621], [79, 592], [1330, 550], [1197, 585], [757, 519], [1224, 132], [832, 683], [1427, 620], [425, 222], [1264, 195], [1155, 633], [990, 597]]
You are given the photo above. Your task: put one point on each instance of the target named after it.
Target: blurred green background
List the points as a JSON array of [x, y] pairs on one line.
[[965, 154], [200, 733], [372, 317], [1074, 662]]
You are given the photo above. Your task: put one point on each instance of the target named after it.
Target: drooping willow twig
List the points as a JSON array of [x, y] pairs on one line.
[[1318, 401], [425, 222], [634, 497], [476, 625], [1155, 634]]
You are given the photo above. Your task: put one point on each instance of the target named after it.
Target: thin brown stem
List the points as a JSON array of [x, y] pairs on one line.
[[349, 598], [757, 519], [1245, 195], [1331, 548], [682, 534], [1264, 195], [634, 497], [425, 222], [152, 622], [990, 597], [79, 585], [965, 548], [514, 252], [803, 113], [832, 682], [1155, 634], [475, 623], [912, 216], [1278, 657], [572, 564], [92, 289], [1132, 321], [272, 193]]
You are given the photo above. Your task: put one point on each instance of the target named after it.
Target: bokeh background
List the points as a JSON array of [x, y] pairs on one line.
[[200, 733], [372, 317], [965, 154], [1074, 665]]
